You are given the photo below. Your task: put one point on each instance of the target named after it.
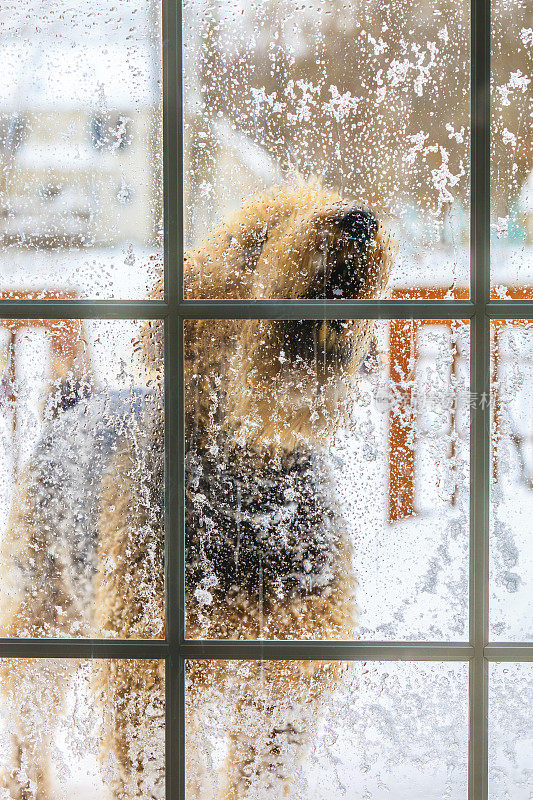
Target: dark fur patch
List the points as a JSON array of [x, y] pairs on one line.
[[345, 270], [264, 530], [301, 339]]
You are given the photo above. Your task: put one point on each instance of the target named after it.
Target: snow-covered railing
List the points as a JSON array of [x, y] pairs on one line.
[[67, 345], [403, 353]]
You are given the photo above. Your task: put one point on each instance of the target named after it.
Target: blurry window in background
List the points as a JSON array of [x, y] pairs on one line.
[[111, 132]]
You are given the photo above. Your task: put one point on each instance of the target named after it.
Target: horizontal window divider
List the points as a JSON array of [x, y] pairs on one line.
[[509, 651], [84, 309], [331, 650], [248, 309], [510, 309], [243, 649], [83, 648], [326, 309], [260, 309]]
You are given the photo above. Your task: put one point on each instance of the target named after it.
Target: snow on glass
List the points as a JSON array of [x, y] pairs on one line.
[[370, 98], [77, 405], [81, 146], [512, 481], [374, 737], [511, 159], [59, 708], [510, 738]]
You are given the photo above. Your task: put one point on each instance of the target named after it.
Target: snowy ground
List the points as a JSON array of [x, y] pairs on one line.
[[397, 731]]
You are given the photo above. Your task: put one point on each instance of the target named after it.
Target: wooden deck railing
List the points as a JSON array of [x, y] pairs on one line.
[[403, 353]]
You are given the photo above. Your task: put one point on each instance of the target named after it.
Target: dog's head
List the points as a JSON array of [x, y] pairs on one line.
[[280, 382], [295, 242]]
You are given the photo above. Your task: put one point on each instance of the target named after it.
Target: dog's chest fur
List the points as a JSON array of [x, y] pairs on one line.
[[266, 527]]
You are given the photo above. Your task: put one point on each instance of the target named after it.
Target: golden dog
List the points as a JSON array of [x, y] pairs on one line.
[[267, 551]]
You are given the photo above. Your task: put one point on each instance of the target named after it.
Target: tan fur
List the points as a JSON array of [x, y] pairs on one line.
[[264, 404]]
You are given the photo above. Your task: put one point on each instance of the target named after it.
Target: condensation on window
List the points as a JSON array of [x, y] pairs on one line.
[[510, 739], [326, 729], [368, 98], [83, 729], [81, 192], [511, 554], [327, 479], [511, 161], [81, 479]]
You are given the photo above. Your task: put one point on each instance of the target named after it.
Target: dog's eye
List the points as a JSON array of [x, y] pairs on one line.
[[252, 254]]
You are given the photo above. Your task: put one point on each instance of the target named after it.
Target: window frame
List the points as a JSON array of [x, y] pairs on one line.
[[174, 310]]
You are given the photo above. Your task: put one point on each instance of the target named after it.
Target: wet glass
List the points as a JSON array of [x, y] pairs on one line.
[[327, 479], [72, 728], [373, 103], [511, 161], [370, 102], [510, 739], [80, 147], [81, 479], [511, 552], [309, 729]]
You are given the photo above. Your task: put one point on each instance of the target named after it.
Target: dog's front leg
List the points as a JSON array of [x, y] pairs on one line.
[[132, 697], [268, 749], [201, 783]]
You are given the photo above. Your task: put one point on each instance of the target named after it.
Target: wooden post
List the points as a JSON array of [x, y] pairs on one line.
[[496, 401], [402, 355]]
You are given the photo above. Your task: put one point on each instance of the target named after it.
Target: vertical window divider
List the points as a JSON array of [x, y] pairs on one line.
[[480, 387], [174, 422]]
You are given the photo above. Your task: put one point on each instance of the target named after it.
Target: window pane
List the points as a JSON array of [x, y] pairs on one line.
[[372, 99], [327, 729], [510, 740], [318, 454], [80, 146], [72, 728], [512, 166], [512, 480], [81, 439]]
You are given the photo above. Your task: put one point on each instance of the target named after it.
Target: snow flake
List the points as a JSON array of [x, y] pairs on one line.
[[340, 105]]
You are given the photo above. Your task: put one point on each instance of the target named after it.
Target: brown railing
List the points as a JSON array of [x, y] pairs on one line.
[[403, 353]]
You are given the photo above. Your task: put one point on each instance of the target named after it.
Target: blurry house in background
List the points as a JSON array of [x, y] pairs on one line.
[[75, 176]]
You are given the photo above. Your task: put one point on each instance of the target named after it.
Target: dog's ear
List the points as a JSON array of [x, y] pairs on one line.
[[224, 265]]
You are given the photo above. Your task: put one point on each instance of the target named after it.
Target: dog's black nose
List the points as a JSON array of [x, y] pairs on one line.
[[360, 225]]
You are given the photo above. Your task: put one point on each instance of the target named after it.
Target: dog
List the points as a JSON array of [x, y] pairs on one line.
[[267, 551]]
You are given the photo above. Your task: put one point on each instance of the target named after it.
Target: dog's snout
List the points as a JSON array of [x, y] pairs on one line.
[[359, 224]]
